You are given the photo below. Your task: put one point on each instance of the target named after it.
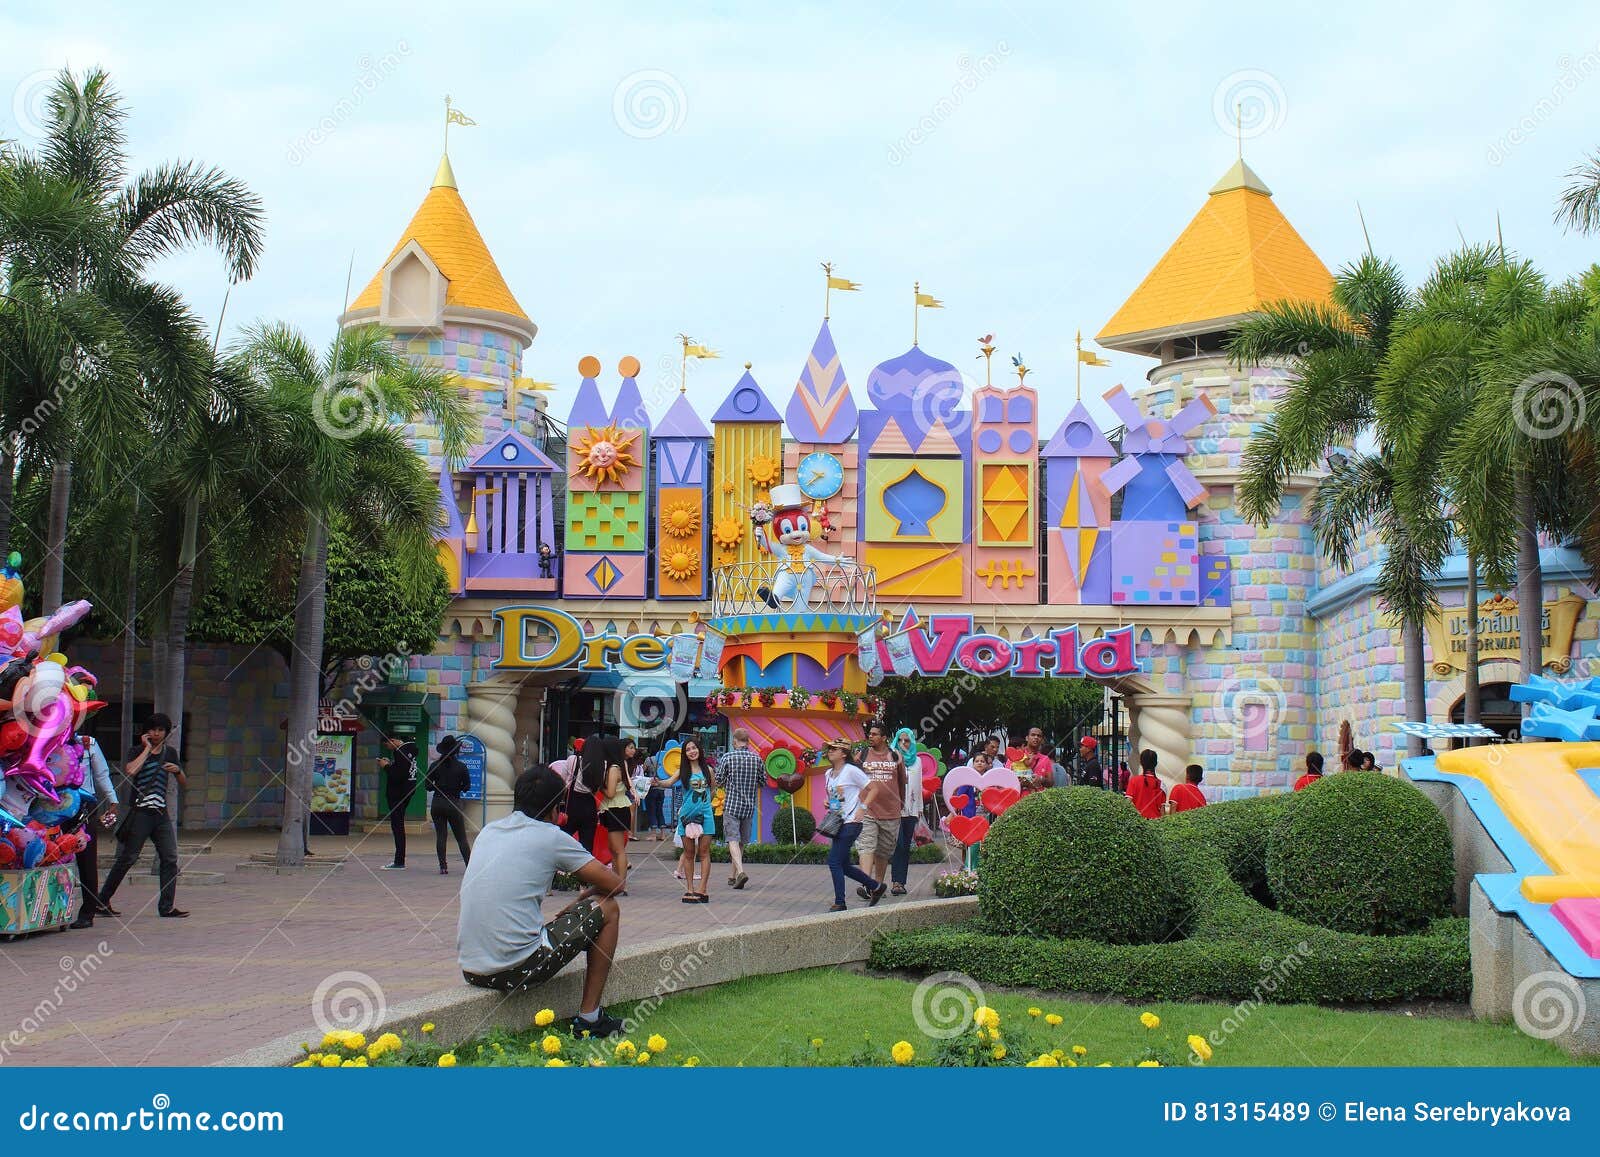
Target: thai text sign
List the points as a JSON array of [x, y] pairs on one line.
[[1500, 633]]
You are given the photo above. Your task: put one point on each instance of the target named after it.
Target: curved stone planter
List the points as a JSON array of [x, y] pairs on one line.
[[648, 972]]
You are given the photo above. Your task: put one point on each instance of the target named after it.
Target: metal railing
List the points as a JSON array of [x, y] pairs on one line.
[[770, 587]]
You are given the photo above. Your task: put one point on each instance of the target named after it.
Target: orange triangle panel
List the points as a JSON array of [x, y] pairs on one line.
[[891, 440]]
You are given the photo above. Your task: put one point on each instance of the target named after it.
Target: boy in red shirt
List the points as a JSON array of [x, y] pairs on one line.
[[1145, 792], [1313, 771], [1187, 795]]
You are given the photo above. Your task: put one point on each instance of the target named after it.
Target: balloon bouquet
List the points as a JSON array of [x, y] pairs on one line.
[[44, 702]]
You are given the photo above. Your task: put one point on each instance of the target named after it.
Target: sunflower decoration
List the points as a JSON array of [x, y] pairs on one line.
[[681, 519], [605, 453], [765, 471], [681, 562], [727, 533]]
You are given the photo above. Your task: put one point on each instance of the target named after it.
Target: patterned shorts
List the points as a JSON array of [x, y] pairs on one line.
[[569, 934]]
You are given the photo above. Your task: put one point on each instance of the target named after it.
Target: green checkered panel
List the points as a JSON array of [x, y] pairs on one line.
[[609, 520]]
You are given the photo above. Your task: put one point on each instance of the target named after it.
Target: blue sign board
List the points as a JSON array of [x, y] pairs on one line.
[[473, 754]]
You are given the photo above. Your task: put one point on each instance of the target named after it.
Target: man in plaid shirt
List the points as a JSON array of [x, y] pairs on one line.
[[739, 775]]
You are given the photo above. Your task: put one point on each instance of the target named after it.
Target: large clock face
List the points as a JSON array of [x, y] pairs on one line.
[[821, 476]]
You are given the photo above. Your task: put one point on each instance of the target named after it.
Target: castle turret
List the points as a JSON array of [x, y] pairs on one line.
[[1244, 711]]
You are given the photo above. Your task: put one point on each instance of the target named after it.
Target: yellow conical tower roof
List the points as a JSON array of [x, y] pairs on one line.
[[443, 228], [1238, 254]]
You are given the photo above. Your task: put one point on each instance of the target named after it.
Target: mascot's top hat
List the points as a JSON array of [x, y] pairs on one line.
[[787, 497]]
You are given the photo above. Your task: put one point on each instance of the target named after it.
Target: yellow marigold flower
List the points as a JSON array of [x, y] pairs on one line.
[[1103, 1065], [816, 1042], [624, 1050], [305, 1064], [1059, 1054], [1069, 1062], [596, 1062], [331, 1061], [1044, 1061], [998, 1052], [1201, 1046], [642, 1059], [1148, 1065], [903, 1053], [555, 1063], [428, 1027], [1079, 1051], [657, 1043], [1149, 1020], [1053, 1020], [1036, 1012], [692, 1062], [544, 1017], [986, 1016], [448, 1061], [551, 1045], [315, 1058], [331, 1038]]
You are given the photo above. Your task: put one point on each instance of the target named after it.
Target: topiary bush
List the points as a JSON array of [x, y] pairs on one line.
[[1361, 852], [792, 825], [1077, 862]]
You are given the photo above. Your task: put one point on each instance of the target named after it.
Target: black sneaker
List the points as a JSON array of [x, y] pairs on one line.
[[603, 1025], [877, 894]]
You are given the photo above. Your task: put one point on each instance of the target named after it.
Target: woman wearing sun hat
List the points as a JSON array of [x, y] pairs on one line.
[[844, 783]]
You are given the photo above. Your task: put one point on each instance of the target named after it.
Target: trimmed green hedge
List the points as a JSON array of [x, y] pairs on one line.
[[792, 825], [1361, 852], [1231, 946], [811, 854], [1077, 861]]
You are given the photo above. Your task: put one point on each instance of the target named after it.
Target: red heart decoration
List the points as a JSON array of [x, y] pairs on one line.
[[968, 830], [930, 785], [791, 783], [996, 800]]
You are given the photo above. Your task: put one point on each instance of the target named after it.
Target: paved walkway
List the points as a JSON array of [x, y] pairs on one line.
[[248, 963]]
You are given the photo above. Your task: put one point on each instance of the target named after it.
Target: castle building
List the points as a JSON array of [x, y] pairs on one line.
[[576, 559]]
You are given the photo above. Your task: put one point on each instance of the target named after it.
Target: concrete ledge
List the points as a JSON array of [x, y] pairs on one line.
[[649, 972]]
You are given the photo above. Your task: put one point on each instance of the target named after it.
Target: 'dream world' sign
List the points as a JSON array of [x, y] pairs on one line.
[[542, 638]]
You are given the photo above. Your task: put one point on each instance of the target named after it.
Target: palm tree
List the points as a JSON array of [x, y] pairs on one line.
[[150, 216], [1580, 200], [1338, 351], [340, 451]]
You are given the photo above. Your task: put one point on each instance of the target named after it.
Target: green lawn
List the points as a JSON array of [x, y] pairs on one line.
[[773, 1019]]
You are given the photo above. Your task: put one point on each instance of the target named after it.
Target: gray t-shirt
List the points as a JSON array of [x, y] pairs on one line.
[[513, 863]]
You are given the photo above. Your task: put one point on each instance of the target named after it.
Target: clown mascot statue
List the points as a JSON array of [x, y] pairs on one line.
[[784, 532]]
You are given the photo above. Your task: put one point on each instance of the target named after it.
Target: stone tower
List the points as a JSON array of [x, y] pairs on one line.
[[1243, 710]]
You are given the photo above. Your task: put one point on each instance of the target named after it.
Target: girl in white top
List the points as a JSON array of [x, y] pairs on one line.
[[843, 783]]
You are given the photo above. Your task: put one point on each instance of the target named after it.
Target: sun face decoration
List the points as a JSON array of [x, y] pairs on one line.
[[605, 453], [681, 519], [765, 471], [681, 562], [727, 533]]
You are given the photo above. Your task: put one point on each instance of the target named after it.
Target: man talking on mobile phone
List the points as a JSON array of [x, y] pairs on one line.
[[149, 763]]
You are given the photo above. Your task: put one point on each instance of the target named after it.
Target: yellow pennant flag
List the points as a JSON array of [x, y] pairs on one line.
[[530, 384], [1090, 358], [699, 351], [843, 283], [456, 117], [928, 301]]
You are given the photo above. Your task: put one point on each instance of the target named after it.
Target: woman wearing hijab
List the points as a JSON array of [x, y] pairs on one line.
[[449, 780]]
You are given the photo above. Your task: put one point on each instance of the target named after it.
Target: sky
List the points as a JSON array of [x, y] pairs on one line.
[[640, 173]]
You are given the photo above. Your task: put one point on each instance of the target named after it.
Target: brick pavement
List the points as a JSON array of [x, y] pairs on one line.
[[246, 965]]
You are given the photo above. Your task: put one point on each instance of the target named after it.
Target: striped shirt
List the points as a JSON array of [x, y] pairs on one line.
[[150, 781]]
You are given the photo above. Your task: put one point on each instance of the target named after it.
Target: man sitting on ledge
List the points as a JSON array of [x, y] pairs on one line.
[[502, 940]]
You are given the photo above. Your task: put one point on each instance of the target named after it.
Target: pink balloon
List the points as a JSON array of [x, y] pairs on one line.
[[927, 763]]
